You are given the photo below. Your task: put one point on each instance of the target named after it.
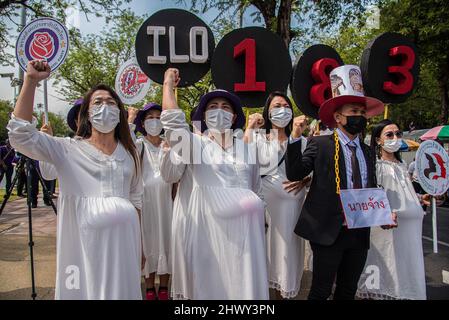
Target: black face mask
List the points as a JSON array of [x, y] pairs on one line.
[[355, 124]]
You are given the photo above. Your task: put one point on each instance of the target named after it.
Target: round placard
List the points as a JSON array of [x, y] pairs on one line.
[[432, 166], [43, 39], [390, 68], [131, 84], [174, 38], [251, 62], [323, 59]]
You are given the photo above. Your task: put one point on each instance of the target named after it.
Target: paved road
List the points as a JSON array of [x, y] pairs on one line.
[[437, 263]]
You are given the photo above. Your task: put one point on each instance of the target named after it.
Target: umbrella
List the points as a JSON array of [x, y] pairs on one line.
[[438, 133], [409, 145]]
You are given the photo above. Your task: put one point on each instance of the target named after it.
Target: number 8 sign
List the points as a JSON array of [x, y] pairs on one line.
[[251, 62]]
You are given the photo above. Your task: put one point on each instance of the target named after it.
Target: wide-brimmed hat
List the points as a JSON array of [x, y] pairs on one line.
[[347, 88], [141, 116], [73, 114], [233, 99]]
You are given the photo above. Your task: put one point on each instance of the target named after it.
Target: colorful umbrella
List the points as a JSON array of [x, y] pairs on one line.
[[409, 145], [438, 133]]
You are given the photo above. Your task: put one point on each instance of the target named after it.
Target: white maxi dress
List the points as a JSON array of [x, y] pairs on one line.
[[174, 171], [98, 253], [285, 249], [395, 265], [224, 225], [157, 208]]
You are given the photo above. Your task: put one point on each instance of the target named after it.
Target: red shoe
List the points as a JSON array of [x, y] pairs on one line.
[[151, 295], [162, 294]]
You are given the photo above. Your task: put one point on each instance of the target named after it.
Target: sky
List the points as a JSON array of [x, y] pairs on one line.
[[56, 102]]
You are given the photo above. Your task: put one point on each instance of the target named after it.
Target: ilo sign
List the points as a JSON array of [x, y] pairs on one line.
[[43, 39], [175, 38]]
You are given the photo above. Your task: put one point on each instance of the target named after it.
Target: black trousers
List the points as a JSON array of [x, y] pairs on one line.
[[8, 174], [343, 263]]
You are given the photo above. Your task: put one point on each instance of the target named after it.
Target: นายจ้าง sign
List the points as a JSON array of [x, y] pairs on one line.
[[43, 39], [131, 84], [432, 167], [365, 208]]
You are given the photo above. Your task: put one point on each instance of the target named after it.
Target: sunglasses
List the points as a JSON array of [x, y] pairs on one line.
[[391, 134]]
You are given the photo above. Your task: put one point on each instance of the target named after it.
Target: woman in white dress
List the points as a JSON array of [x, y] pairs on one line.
[[99, 253], [284, 199], [395, 265], [157, 203], [174, 171], [224, 228]]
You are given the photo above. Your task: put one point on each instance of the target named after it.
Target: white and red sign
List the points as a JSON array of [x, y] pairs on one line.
[[366, 207], [131, 84], [43, 39], [432, 166]]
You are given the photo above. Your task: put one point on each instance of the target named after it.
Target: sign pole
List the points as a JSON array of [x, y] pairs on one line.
[[434, 225], [45, 102], [386, 112]]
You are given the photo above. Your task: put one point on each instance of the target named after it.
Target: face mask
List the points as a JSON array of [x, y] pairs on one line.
[[355, 124], [393, 145], [153, 127], [104, 118], [281, 117], [219, 120]]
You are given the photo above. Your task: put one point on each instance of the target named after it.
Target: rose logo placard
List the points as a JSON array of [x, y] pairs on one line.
[[131, 83], [43, 39]]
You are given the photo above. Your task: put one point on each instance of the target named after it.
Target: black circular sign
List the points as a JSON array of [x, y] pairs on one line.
[[174, 38], [303, 79], [251, 62], [395, 52]]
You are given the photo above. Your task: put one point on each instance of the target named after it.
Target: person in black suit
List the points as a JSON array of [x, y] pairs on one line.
[[339, 253]]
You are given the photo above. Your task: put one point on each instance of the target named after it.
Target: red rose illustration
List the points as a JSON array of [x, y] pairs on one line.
[[42, 46]]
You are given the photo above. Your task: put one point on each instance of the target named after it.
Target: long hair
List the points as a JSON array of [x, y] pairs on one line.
[[121, 131], [375, 133], [268, 126]]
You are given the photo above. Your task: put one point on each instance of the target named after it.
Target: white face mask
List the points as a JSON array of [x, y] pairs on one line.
[[153, 126], [219, 120], [392, 145], [104, 118], [281, 117]]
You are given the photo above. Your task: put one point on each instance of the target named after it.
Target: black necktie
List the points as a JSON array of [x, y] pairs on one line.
[[356, 176]]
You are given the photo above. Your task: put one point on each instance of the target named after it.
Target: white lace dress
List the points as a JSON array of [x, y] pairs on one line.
[[395, 265], [224, 224], [285, 249], [157, 211], [98, 253]]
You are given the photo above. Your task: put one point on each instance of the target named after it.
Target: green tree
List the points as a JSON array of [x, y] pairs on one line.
[[94, 59], [427, 23], [5, 110], [279, 15]]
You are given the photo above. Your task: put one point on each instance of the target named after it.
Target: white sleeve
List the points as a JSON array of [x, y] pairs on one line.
[[178, 134], [136, 190], [26, 139], [172, 167], [48, 171]]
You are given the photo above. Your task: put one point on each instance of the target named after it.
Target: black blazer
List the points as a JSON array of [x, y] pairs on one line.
[[322, 217]]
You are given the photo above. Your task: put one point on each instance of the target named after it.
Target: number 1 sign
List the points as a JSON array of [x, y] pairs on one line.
[[251, 62]]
